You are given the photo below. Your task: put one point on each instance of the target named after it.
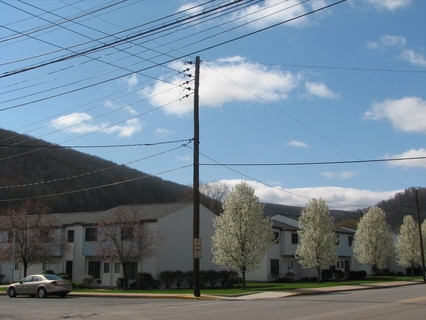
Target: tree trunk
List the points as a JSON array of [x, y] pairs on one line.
[[25, 268], [319, 275], [243, 274], [125, 280]]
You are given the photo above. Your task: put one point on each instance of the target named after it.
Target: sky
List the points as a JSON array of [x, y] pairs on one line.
[[300, 99]]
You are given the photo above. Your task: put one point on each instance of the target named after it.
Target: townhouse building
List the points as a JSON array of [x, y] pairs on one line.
[[75, 240], [280, 259], [75, 237]]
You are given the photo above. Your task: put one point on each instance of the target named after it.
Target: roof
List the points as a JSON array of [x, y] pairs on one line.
[[147, 212]]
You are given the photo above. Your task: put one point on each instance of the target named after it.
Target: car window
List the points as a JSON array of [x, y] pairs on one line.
[[36, 278], [27, 279], [52, 277]]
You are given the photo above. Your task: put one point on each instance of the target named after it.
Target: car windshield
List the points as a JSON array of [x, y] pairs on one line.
[[52, 277]]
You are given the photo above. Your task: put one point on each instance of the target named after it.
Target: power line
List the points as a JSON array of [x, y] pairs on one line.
[[96, 187], [45, 182], [310, 163]]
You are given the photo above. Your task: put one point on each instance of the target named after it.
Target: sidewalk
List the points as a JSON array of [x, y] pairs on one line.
[[249, 296]]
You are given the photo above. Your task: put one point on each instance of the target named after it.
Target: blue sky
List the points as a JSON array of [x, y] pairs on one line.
[[301, 99]]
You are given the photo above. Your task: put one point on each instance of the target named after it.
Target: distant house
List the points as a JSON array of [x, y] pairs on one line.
[[76, 257], [280, 259]]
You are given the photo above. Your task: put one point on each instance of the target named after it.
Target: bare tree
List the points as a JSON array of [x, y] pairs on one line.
[[124, 237], [213, 195], [30, 236]]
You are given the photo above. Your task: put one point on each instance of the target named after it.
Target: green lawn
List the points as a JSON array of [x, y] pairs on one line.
[[255, 286]]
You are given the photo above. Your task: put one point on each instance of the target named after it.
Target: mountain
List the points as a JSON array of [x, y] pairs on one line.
[[67, 181], [405, 203], [402, 204], [73, 181]]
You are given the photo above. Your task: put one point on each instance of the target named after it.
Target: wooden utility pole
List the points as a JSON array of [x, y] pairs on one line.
[[196, 185]]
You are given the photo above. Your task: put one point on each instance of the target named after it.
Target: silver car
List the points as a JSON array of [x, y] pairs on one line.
[[40, 285]]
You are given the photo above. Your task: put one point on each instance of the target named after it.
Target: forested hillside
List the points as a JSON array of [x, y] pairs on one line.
[[31, 168], [403, 204], [67, 180]]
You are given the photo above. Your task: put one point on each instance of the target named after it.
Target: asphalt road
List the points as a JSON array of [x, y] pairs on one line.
[[408, 302]]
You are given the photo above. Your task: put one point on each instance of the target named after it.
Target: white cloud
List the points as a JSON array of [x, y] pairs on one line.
[[297, 144], [84, 123], [222, 81], [273, 11], [320, 90], [344, 175], [389, 4], [406, 114], [77, 123], [162, 131], [387, 41], [413, 153], [336, 197], [413, 57], [129, 128], [399, 42], [131, 80]]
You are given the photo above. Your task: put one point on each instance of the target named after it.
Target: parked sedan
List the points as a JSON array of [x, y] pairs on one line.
[[40, 285]]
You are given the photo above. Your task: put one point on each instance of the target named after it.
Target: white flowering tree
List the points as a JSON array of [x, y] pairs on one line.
[[242, 233], [407, 245], [373, 243], [317, 239]]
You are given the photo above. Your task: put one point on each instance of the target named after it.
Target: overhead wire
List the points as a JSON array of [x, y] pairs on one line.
[[88, 173]]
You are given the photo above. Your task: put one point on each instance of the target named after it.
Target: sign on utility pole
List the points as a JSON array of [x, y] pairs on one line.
[[196, 183]]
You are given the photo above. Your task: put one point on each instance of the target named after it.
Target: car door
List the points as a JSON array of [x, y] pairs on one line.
[[23, 287], [33, 285]]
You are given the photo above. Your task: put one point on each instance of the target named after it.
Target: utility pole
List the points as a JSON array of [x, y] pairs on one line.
[[196, 185], [422, 253]]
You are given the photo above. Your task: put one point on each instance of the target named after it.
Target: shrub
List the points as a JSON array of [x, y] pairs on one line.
[[179, 278], [357, 275], [78, 285], [88, 280], [144, 281], [212, 276], [188, 275], [167, 278], [339, 274], [326, 274]]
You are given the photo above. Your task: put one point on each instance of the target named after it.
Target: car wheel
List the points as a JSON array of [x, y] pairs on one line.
[[42, 293], [11, 292]]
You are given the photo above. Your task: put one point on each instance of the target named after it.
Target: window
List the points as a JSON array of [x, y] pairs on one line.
[[276, 237], [126, 233], [91, 234], [68, 268], [70, 236], [350, 240], [275, 266], [117, 268], [133, 270], [95, 269], [106, 267], [294, 238]]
